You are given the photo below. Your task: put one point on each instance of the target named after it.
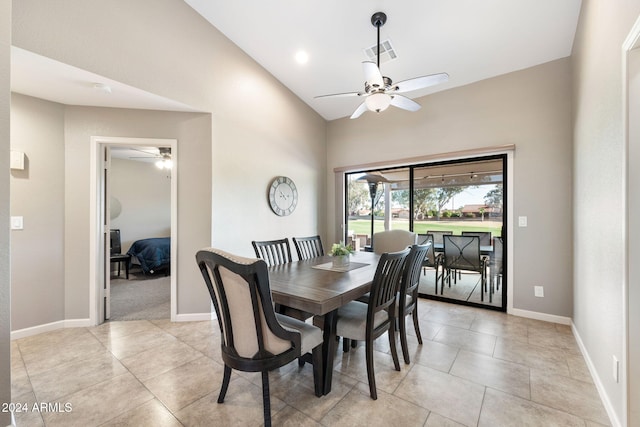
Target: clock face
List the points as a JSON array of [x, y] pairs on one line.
[[283, 196]]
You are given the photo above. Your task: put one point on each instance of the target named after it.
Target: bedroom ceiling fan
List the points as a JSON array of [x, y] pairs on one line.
[[163, 155], [380, 91]]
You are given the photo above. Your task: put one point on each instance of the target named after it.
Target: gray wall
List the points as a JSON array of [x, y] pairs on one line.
[[193, 132], [599, 200], [37, 194], [144, 194], [529, 108], [229, 161], [5, 284]]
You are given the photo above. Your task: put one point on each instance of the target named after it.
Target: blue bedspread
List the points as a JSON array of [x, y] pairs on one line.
[[153, 253]]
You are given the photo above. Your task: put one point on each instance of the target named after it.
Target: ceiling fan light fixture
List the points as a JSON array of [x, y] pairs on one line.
[[164, 164], [378, 102]]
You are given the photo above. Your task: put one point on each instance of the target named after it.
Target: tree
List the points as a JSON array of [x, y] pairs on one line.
[[493, 198], [358, 197], [442, 195]]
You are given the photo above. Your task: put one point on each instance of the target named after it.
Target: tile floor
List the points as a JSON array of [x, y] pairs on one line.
[[475, 368]]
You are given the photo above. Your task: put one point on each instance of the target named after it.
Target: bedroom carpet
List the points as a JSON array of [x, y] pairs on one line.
[[140, 298]]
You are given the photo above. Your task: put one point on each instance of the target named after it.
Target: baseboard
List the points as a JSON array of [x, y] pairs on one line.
[[48, 327], [194, 317], [541, 316], [615, 422]]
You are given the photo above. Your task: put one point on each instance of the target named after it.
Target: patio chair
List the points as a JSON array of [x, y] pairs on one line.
[[463, 253], [254, 337], [495, 264], [433, 259]]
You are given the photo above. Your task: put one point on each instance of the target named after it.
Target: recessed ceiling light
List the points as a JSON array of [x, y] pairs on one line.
[[302, 57]]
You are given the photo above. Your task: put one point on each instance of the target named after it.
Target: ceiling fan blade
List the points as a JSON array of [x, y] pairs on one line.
[[339, 95], [361, 109], [421, 82], [404, 103], [372, 74]]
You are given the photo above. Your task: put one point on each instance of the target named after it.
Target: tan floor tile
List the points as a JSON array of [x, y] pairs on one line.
[[152, 413], [432, 354], [24, 413], [354, 365], [358, 409], [162, 358], [468, 340], [291, 417], [129, 345], [183, 330], [69, 378], [100, 403], [428, 329], [447, 395], [566, 394], [501, 328], [110, 330], [447, 317], [501, 409], [550, 359], [20, 382], [185, 384], [207, 344], [242, 407], [485, 370], [578, 368], [437, 420], [553, 338]]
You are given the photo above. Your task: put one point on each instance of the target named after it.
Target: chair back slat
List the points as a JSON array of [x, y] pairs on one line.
[[273, 252], [427, 239], [308, 247], [462, 253], [385, 282], [411, 273]]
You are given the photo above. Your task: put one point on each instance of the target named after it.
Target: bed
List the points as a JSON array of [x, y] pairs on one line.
[[152, 254]]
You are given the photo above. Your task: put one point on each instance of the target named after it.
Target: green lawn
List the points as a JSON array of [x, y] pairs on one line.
[[363, 226]]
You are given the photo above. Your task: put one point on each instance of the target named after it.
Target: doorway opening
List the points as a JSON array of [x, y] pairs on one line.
[[134, 209], [465, 197]]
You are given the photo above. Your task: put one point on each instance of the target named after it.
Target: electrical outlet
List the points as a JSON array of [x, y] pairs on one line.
[[538, 291], [616, 369]]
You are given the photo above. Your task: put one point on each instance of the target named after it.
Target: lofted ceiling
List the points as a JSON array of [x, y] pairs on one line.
[[470, 40]]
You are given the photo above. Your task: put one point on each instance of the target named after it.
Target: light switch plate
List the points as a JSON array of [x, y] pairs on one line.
[[17, 223], [522, 221]]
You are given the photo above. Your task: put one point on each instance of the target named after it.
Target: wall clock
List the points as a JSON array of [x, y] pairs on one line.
[[283, 196]]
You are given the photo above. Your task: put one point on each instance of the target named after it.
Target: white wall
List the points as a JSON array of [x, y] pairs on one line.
[[144, 194], [5, 284], [599, 203], [529, 108]]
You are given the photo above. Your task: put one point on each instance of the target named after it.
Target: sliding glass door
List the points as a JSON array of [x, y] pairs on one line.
[[453, 197]]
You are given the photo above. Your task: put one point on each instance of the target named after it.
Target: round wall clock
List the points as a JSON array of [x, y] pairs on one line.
[[283, 196]]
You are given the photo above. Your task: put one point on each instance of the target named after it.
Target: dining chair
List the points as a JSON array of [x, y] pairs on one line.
[[116, 254], [366, 322], [438, 236], [495, 263], [433, 258], [273, 252], [485, 236], [463, 253], [392, 241], [254, 337], [407, 297], [308, 247]]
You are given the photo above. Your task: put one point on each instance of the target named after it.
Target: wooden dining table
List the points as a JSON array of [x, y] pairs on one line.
[[316, 287]]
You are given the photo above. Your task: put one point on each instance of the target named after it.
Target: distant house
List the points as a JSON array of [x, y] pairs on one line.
[[475, 210]]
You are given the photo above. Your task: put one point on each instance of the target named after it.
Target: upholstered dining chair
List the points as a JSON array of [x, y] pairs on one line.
[[254, 337], [463, 253], [308, 247], [392, 241], [367, 321], [273, 252], [407, 298]]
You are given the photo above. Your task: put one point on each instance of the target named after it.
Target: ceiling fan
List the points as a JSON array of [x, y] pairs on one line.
[[380, 91], [163, 155]]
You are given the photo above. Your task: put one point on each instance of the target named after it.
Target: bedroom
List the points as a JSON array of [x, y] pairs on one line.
[[139, 192]]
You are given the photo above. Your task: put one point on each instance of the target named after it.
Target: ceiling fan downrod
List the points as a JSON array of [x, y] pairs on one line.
[[378, 19]]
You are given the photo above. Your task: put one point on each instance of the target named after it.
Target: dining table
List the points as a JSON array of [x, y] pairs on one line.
[[317, 287]]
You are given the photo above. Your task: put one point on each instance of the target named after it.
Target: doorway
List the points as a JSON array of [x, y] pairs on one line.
[[101, 217]]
